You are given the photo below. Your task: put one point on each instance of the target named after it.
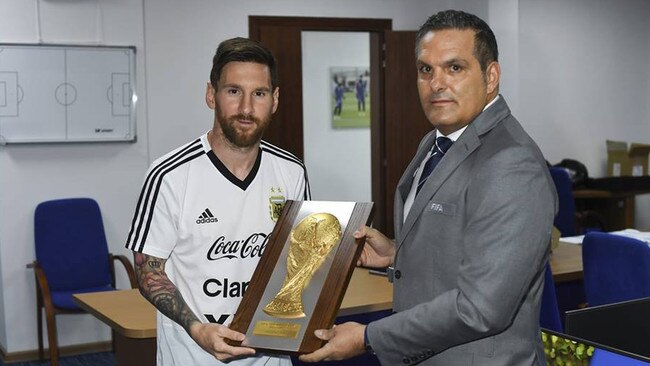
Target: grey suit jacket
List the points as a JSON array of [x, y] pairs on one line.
[[472, 251]]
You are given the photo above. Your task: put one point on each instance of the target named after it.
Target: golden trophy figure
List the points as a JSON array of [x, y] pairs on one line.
[[310, 242]]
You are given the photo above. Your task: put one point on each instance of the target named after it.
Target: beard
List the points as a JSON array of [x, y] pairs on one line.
[[238, 137]]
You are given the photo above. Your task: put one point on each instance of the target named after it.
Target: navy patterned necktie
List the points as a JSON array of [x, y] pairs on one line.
[[439, 149]]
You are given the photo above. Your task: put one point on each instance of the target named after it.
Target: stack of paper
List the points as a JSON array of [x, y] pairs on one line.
[[630, 233]]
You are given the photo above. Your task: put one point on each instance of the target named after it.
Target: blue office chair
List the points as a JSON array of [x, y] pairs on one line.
[[549, 316], [616, 268], [71, 257]]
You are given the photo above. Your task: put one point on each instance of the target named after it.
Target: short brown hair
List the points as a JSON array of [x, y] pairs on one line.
[[242, 50]]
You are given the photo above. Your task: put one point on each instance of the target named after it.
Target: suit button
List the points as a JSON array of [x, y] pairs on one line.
[[406, 360], [414, 358], [398, 274]]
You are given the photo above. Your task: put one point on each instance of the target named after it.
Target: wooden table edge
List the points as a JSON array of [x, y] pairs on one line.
[[356, 310], [130, 333]]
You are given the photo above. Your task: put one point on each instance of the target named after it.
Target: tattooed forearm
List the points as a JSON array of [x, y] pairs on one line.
[[156, 287]]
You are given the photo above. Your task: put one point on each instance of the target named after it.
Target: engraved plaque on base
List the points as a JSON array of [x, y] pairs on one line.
[[302, 276]]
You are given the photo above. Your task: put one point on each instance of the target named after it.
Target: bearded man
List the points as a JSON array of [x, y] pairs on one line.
[[206, 211]]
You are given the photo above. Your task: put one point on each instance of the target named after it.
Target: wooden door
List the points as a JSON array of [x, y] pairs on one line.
[[286, 129], [404, 121]]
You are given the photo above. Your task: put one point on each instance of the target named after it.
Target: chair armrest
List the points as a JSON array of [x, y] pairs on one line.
[[43, 288], [127, 266]]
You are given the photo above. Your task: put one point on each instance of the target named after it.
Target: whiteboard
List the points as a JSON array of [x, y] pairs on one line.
[[65, 93]]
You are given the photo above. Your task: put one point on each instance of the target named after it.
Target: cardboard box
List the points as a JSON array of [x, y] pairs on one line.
[[624, 162]]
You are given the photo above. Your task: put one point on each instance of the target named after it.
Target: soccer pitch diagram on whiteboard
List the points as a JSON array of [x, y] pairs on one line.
[[65, 93]]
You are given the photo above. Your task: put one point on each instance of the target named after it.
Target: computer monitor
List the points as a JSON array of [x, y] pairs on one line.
[[623, 325], [563, 349]]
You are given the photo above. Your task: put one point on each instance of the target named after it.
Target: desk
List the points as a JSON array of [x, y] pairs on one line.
[[134, 319], [566, 262], [366, 293]]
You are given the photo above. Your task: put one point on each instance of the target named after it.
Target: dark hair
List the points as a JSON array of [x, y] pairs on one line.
[[243, 50], [485, 44]]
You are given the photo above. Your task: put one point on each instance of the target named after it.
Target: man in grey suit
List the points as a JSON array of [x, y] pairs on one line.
[[472, 238]]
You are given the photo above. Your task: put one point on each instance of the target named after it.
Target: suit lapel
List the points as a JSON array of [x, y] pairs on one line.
[[459, 151], [406, 181]]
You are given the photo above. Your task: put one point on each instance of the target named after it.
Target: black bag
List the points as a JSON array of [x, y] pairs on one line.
[[577, 172]]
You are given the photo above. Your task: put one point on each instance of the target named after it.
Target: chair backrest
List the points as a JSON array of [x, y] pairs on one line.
[[549, 316], [71, 244], [616, 268], [565, 218]]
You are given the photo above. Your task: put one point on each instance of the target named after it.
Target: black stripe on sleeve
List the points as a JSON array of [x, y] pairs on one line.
[[280, 153], [155, 196], [307, 193], [143, 200]]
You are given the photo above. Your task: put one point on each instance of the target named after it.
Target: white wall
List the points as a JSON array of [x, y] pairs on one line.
[[580, 69], [109, 172], [504, 20], [584, 77], [338, 159]]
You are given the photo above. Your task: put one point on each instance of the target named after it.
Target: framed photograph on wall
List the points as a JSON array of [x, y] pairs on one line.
[[350, 96]]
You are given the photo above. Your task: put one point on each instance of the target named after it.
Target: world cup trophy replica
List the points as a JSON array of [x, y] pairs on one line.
[[310, 242], [300, 281]]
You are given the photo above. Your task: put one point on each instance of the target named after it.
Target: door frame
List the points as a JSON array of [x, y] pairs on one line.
[[376, 29]]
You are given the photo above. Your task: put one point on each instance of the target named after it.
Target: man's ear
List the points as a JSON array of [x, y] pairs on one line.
[[276, 98], [492, 76], [209, 96]]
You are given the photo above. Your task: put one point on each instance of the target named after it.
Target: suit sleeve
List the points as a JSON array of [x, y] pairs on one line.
[[510, 209]]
